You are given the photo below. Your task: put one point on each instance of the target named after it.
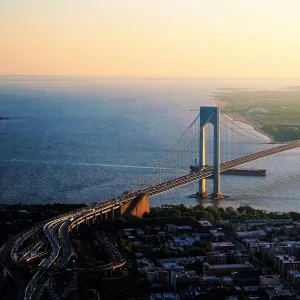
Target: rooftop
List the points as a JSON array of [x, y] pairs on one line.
[[231, 266], [205, 223], [173, 266], [184, 228], [222, 244], [287, 259], [251, 233], [269, 221]]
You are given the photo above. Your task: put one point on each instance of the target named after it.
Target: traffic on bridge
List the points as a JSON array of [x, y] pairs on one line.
[[49, 241]]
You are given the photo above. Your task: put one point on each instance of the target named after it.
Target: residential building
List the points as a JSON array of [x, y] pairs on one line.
[[288, 230], [152, 275], [227, 269], [239, 227], [182, 261], [165, 296], [258, 234], [241, 256], [216, 235], [278, 293], [221, 246], [178, 229], [205, 225], [269, 280], [283, 263], [251, 244], [216, 258], [184, 279], [158, 275]]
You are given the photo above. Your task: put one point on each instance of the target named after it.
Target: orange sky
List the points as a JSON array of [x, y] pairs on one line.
[[216, 38]]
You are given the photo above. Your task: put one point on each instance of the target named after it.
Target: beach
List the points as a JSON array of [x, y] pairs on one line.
[[242, 119]]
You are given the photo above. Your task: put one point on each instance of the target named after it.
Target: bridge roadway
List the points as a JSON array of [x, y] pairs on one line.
[[69, 221], [208, 172], [38, 282]]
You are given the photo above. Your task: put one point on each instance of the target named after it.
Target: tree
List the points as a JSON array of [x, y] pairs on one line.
[[146, 215], [231, 213], [295, 215], [213, 212], [91, 294], [186, 214], [147, 229], [199, 207], [125, 273], [176, 212], [206, 216], [240, 210], [127, 249], [261, 214]]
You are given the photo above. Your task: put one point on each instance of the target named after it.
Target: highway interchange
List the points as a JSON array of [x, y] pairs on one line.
[[54, 233]]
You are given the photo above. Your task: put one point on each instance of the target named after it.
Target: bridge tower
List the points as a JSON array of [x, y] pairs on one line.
[[210, 115]]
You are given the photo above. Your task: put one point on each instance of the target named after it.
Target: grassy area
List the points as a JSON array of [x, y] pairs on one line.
[[277, 112]]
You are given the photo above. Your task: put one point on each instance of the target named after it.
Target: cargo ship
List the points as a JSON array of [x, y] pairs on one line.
[[241, 172]]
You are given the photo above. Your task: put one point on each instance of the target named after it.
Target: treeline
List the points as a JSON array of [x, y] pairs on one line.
[[282, 133], [181, 215]]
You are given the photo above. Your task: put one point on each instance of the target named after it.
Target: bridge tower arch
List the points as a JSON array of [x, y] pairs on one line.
[[210, 115]]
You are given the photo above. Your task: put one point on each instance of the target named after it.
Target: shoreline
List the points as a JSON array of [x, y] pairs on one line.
[[256, 126], [236, 117]]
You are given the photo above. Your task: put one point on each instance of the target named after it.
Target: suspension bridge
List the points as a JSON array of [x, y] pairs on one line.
[[217, 144], [216, 141]]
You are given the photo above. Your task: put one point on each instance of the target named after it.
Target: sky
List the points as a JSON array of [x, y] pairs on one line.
[[176, 38]]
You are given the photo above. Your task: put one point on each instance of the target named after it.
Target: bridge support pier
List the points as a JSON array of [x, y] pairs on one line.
[[217, 196], [210, 115], [112, 213], [202, 195], [136, 207]]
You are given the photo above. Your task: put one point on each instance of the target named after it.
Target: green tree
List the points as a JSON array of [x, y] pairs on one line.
[[199, 207], [127, 249], [213, 212], [206, 216], [147, 229], [91, 294], [295, 215], [125, 273], [146, 215], [186, 214]]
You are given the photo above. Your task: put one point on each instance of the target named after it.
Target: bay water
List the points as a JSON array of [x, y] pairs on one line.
[[79, 139]]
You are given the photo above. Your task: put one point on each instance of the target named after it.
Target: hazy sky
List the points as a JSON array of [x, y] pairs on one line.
[[207, 38]]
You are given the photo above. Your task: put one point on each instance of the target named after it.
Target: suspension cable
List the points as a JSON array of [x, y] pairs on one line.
[[240, 127], [256, 137], [143, 179], [187, 147]]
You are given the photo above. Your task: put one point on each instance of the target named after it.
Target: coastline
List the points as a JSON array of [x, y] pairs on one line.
[[4, 118], [256, 126], [236, 117]]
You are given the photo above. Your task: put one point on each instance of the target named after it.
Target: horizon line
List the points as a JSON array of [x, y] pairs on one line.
[[143, 77]]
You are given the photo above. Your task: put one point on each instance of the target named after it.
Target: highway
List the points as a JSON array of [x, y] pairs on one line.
[[56, 231]]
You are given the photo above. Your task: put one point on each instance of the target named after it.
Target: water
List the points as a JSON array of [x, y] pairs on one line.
[[83, 140]]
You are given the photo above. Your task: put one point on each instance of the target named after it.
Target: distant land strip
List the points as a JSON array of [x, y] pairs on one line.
[[275, 113]]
